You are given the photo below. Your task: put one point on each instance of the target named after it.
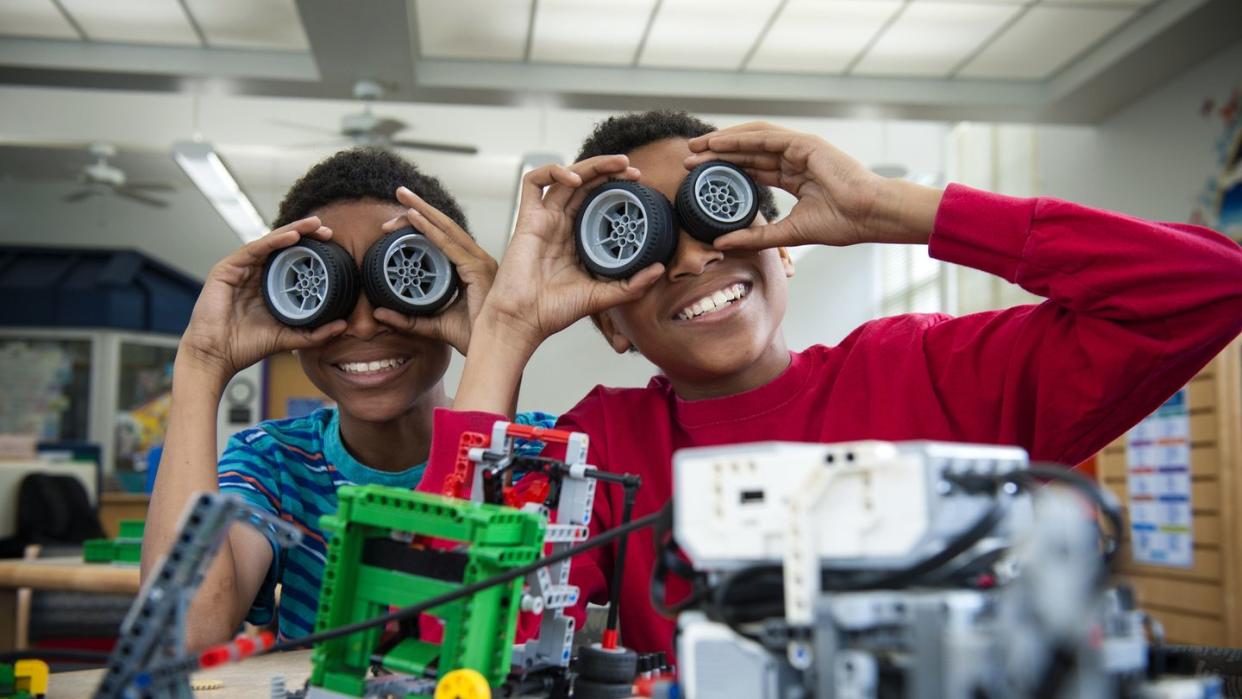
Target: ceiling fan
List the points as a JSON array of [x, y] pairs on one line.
[[366, 128], [101, 177]]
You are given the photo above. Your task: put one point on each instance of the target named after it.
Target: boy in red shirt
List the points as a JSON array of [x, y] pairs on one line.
[[1134, 309]]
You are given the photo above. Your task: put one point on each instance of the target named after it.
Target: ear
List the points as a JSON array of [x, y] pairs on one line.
[[608, 328], [786, 261]]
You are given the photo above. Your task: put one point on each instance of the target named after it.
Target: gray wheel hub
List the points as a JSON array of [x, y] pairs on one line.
[[614, 228], [723, 194], [415, 270], [298, 282]]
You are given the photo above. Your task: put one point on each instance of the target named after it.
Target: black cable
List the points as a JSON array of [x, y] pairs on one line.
[[618, 565], [1096, 493], [60, 653], [467, 590]]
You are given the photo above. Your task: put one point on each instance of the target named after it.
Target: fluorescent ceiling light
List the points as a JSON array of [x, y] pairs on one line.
[[213, 179], [705, 34], [133, 21], [603, 32], [930, 38], [811, 36], [473, 29]]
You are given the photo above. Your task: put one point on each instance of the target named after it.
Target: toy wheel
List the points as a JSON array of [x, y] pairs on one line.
[[405, 272], [587, 689], [716, 198], [310, 283], [599, 664], [624, 227], [463, 684]]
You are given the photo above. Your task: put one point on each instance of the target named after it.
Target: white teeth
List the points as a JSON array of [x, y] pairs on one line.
[[713, 302], [366, 367]]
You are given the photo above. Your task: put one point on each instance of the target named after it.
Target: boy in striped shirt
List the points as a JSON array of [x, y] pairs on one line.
[[384, 371]]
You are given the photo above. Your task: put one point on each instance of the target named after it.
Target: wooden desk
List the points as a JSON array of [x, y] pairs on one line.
[[68, 573], [114, 507], [244, 680]]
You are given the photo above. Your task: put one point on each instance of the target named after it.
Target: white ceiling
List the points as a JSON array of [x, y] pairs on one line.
[[255, 24], [1007, 39]]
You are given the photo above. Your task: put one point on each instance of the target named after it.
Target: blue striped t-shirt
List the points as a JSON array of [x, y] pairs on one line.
[[292, 468]]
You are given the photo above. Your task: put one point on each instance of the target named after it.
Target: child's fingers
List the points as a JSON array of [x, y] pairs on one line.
[[747, 160], [768, 235], [303, 339], [425, 326], [558, 197], [581, 193], [771, 141], [534, 182], [700, 143], [257, 251], [615, 293], [407, 196]]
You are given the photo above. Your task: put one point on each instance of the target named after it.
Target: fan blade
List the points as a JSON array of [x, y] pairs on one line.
[[441, 147], [305, 127], [141, 198], [80, 195], [387, 127], [151, 186]]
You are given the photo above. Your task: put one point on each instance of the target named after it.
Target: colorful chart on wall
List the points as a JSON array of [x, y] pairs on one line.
[[1220, 203], [1158, 482]]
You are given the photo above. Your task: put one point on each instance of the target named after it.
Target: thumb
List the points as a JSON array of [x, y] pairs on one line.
[[767, 235], [303, 339], [614, 293], [425, 326]]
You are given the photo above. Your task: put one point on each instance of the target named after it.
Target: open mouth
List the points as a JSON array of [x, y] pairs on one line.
[[371, 368], [715, 302]]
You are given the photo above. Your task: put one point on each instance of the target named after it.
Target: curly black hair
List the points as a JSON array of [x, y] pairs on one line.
[[363, 173], [627, 132]]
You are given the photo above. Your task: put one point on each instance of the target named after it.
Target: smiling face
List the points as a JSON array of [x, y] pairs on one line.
[[712, 322], [373, 373]]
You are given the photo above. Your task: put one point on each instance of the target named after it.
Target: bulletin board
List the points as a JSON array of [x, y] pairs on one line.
[[289, 392], [1196, 594]]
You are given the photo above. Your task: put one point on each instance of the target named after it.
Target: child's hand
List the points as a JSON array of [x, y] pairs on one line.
[[541, 287], [475, 268], [838, 198], [231, 327]]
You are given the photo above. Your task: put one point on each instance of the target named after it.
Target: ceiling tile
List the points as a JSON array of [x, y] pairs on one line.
[[34, 18], [133, 21], [931, 38], [708, 34], [482, 29], [589, 31], [1045, 40], [1097, 3], [812, 36], [250, 24]]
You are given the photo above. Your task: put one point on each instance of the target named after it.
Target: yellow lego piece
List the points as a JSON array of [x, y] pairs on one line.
[[30, 676], [463, 684]]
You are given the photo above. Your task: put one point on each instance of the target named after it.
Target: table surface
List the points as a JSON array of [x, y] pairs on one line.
[[69, 573], [251, 678]]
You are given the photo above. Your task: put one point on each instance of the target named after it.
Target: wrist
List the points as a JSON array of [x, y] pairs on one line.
[[507, 329], [904, 212], [196, 372]]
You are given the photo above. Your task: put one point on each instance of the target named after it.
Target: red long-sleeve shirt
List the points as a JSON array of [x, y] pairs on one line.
[[1134, 309]]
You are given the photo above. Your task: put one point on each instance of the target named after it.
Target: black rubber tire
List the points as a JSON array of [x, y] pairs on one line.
[[607, 666], [661, 236], [586, 689], [343, 284], [381, 295], [696, 221]]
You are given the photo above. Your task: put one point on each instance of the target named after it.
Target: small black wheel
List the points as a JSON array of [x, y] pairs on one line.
[[623, 227], [586, 689], [716, 198], [405, 272], [599, 664], [310, 283]]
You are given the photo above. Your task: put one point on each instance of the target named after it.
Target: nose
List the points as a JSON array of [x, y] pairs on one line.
[[361, 323], [692, 257]]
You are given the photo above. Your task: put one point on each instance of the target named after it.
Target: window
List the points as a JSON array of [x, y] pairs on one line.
[[912, 282]]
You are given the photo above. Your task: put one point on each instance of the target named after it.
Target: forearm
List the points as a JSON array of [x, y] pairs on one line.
[[903, 212], [187, 466], [493, 371]]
